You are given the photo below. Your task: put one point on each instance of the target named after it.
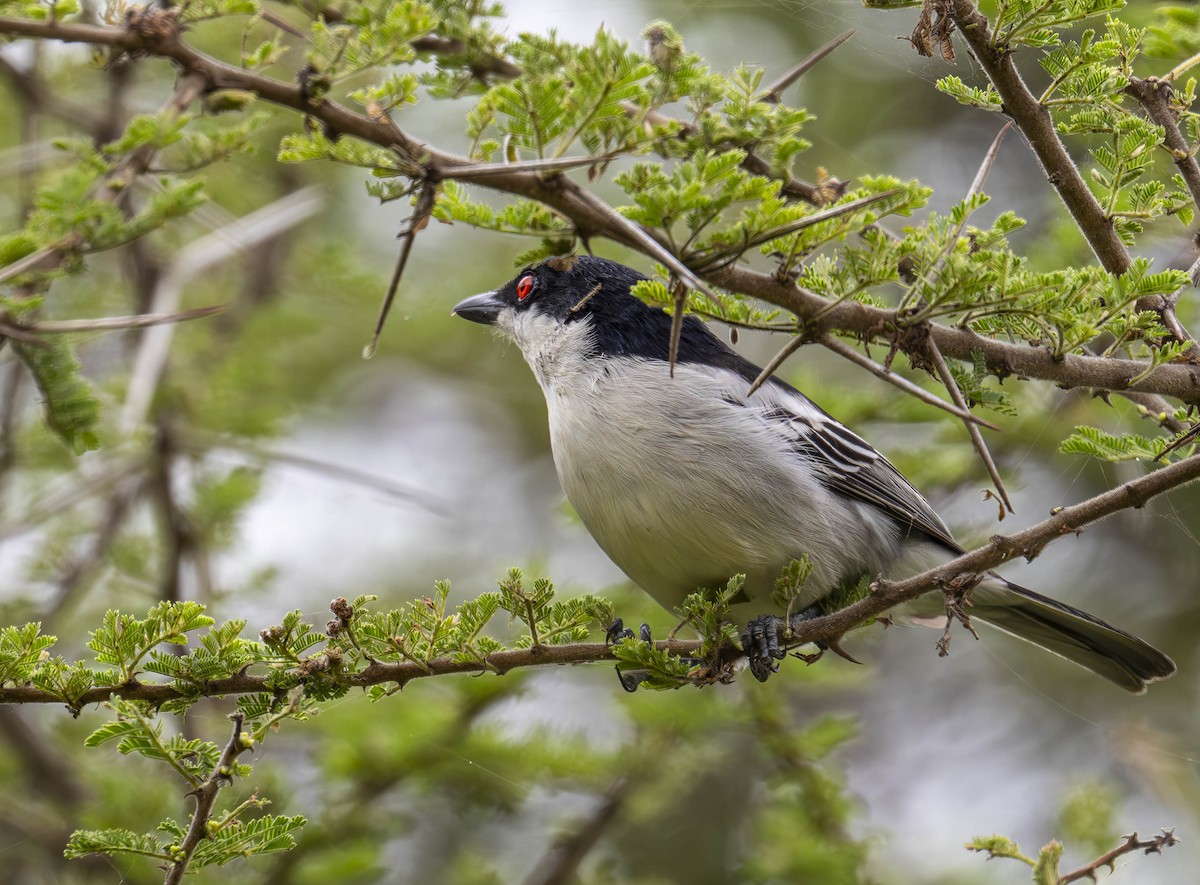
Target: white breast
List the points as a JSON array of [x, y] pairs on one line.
[[678, 487]]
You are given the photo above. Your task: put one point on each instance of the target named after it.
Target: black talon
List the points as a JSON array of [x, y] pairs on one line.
[[629, 679], [617, 632], [760, 641]]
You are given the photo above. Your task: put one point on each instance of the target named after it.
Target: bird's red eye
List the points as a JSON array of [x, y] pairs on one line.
[[525, 287]]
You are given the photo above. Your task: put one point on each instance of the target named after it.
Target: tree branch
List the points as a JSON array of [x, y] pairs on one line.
[[1154, 95], [885, 594], [1035, 122], [1178, 381], [1132, 843], [206, 799]]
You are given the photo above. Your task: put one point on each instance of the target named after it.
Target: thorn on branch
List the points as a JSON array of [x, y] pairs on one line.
[[417, 222], [884, 372], [775, 90], [679, 295], [793, 344], [1165, 839]]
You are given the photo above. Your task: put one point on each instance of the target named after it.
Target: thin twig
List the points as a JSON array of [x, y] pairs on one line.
[[793, 344], [881, 371], [112, 324], [199, 442], [1157, 409], [636, 232], [206, 799], [562, 164], [795, 226], [1165, 839], [775, 90], [1182, 68], [679, 297], [30, 262], [977, 183], [943, 371]]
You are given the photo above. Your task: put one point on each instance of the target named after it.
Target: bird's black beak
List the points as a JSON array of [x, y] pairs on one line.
[[483, 308]]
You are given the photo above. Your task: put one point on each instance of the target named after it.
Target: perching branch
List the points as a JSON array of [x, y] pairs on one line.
[[402, 673], [885, 594]]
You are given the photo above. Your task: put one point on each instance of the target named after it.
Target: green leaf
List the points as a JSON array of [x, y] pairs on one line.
[[1045, 871], [236, 838], [998, 846], [114, 841], [1096, 443], [987, 99], [70, 408], [790, 583], [21, 649]]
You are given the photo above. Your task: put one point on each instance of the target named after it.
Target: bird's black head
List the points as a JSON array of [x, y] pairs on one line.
[[565, 288], [563, 291]]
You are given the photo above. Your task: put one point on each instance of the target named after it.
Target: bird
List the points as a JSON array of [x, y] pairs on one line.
[[685, 476]]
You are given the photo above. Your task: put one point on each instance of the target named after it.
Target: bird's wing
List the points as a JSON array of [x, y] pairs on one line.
[[847, 463]]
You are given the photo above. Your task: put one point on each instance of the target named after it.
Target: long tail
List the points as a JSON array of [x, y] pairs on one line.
[[1070, 633]]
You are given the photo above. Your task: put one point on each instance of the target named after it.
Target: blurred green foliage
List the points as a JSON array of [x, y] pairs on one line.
[[467, 779]]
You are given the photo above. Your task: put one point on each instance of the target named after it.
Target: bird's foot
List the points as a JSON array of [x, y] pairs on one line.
[[760, 641], [617, 631], [630, 679]]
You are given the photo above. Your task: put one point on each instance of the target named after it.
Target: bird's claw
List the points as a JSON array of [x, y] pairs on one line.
[[617, 631], [760, 641]]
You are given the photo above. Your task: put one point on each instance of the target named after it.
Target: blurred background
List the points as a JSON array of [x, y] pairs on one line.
[[306, 473]]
